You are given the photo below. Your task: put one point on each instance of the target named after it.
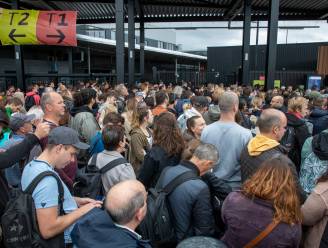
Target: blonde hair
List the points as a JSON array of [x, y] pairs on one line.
[[296, 104], [257, 102], [218, 92]]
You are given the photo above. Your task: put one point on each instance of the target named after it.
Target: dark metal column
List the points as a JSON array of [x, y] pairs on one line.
[[131, 36], [142, 49], [271, 54], [19, 60], [89, 61], [176, 70], [119, 18], [246, 42], [70, 60]]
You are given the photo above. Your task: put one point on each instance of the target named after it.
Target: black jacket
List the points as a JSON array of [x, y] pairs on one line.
[[10, 157], [154, 162], [190, 203], [319, 119], [250, 164], [301, 134], [97, 230], [75, 110]]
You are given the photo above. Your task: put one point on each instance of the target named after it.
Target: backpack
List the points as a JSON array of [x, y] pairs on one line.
[[19, 222], [88, 180], [157, 225], [29, 102], [289, 140]]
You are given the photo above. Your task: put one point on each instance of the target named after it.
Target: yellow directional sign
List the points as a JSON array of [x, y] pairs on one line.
[[28, 27], [18, 27]]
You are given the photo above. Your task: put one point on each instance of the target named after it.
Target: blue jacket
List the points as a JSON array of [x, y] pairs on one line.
[[319, 119], [96, 144], [97, 230]]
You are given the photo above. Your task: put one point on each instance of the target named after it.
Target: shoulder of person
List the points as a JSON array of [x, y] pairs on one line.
[[322, 190]]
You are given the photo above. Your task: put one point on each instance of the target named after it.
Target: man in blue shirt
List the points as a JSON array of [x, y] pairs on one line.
[[63, 144]]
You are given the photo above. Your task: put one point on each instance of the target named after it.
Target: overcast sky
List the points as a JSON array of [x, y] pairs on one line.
[[200, 39]]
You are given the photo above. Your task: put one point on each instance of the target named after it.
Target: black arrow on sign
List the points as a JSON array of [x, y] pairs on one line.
[[12, 35], [60, 35]]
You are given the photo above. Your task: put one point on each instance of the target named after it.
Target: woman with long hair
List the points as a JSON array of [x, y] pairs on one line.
[[128, 116], [140, 135], [268, 199], [83, 119], [166, 151], [314, 212]]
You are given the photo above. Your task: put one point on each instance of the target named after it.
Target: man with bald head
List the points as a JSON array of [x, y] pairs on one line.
[[53, 107], [272, 125], [277, 102], [229, 138], [125, 208]]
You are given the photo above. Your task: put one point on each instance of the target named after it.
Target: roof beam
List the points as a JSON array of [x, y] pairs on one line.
[[291, 10], [85, 1], [139, 8], [324, 15], [50, 4], [201, 4], [22, 5], [197, 19], [234, 10]]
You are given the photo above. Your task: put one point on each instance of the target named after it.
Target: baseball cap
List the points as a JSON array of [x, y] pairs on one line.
[[199, 101], [17, 120], [66, 136], [139, 94]]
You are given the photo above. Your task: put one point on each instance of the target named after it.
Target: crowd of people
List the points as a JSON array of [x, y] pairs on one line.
[[90, 155]]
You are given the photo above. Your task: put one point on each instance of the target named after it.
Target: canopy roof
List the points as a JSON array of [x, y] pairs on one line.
[[103, 11]]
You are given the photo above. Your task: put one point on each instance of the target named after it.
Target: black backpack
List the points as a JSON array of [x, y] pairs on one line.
[[289, 138], [157, 225], [29, 102], [19, 222], [88, 180]]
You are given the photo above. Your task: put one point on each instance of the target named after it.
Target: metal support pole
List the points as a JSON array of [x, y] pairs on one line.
[[131, 34], [119, 18], [70, 60], [19, 60], [246, 42], [89, 61], [176, 71], [256, 44], [198, 73], [142, 48], [271, 54]]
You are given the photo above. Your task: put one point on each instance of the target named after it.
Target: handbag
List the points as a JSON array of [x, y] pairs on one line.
[[262, 235]]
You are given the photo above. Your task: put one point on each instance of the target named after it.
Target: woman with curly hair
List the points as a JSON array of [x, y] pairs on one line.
[[166, 151], [268, 199]]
